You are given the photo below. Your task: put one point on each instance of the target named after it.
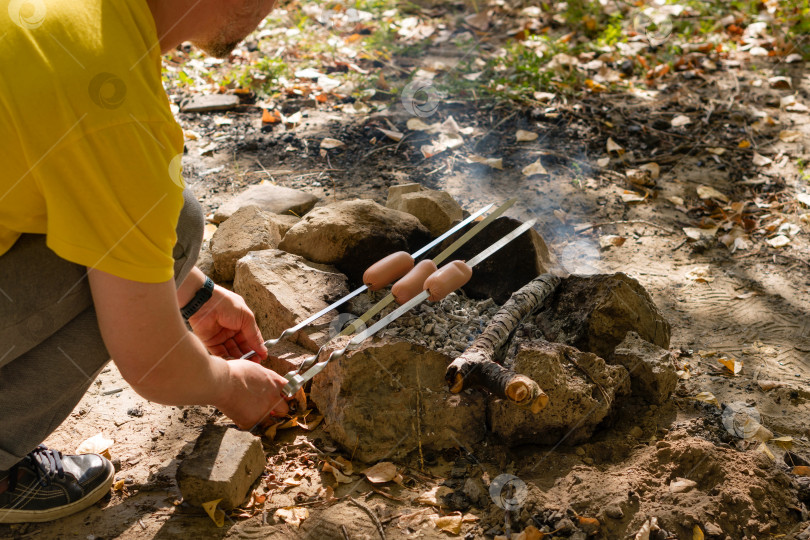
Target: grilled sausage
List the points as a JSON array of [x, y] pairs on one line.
[[447, 279], [413, 282], [387, 270]]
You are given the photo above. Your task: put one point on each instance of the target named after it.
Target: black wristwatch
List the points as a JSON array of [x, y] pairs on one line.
[[202, 296]]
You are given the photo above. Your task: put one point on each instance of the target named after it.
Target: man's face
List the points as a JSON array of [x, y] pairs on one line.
[[239, 18]]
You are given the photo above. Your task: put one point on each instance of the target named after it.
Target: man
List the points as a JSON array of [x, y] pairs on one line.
[[98, 240]]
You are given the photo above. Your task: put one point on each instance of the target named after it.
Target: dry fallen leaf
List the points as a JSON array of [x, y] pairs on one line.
[[216, 514], [681, 485], [613, 146], [785, 443], [760, 161], [744, 144], [697, 533], [681, 120], [731, 364], [119, 486], [415, 124], [329, 144], [450, 524], [648, 527], [701, 274], [495, 163], [432, 496], [717, 151], [603, 162], [97, 444], [696, 233], [640, 177], [803, 198], [763, 449], [778, 241], [607, 241], [339, 476], [534, 168], [708, 192], [801, 470], [790, 136], [526, 136], [654, 168], [769, 385], [391, 134], [382, 472], [292, 515], [630, 197], [707, 397], [677, 201]]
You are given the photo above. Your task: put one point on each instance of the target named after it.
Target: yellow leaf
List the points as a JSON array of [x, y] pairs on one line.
[[630, 197], [744, 144], [707, 397], [344, 464], [731, 364], [697, 533], [450, 524], [432, 497], [382, 472], [214, 512], [534, 168], [339, 476], [786, 443], [763, 449], [654, 168], [119, 486], [790, 136]]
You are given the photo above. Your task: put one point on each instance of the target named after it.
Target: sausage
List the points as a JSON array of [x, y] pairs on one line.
[[387, 270], [446, 280], [413, 282]]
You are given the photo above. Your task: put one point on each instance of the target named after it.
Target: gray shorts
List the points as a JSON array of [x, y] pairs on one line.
[[50, 344]]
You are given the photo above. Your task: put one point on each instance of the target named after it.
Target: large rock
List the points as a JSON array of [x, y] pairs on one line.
[[249, 229], [436, 210], [652, 375], [581, 388], [594, 314], [210, 102], [512, 267], [284, 289], [384, 399], [270, 198], [223, 465], [353, 235]]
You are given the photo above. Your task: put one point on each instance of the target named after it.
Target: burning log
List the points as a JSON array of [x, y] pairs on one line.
[[480, 365]]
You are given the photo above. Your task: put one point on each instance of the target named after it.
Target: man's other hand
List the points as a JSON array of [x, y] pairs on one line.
[[227, 327]]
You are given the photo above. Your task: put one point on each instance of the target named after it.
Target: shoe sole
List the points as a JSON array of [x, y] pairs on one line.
[[39, 516]]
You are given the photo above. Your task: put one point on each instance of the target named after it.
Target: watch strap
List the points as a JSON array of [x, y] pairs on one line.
[[202, 296]]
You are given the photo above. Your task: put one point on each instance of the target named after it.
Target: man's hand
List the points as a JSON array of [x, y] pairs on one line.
[[227, 327], [253, 394]]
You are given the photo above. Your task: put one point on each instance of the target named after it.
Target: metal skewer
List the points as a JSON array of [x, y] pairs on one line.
[[359, 290]]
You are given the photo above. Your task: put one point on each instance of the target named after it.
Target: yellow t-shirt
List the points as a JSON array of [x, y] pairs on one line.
[[89, 149]]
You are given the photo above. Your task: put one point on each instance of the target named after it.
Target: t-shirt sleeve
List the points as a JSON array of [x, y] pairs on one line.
[[113, 199]]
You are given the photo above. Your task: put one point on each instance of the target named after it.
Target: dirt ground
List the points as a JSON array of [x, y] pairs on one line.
[[752, 304]]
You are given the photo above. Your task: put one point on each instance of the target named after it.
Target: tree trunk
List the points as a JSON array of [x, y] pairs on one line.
[[479, 365]]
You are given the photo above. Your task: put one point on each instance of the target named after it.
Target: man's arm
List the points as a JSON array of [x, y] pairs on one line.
[[144, 333]]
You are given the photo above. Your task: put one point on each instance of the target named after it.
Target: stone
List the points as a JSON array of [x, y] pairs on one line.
[[209, 102], [436, 210], [614, 511], [270, 198], [249, 229], [353, 235], [504, 272], [285, 222], [594, 314], [652, 375], [388, 398], [332, 521], [713, 529], [284, 289], [581, 387], [475, 492], [395, 193], [205, 262], [223, 465], [285, 356]]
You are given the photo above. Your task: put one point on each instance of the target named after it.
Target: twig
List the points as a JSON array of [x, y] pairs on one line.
[[374, 151], [628, 222], [265, 170], [496, 126], [345, 532], [371, 514]]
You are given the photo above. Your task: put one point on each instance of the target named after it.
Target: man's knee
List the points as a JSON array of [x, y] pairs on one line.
[[190, 228]]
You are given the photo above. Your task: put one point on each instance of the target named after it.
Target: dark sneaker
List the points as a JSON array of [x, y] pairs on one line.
[[47, 485]]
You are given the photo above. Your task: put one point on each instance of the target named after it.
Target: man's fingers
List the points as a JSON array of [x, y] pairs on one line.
[[233, 349], [251, 334]]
